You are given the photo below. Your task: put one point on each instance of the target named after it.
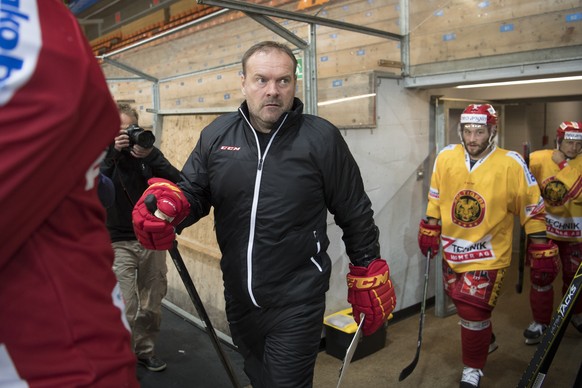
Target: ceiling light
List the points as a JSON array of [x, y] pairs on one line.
[[330, 102], [521, 82]]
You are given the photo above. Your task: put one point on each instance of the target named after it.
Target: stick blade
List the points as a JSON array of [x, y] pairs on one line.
[[409, 369]]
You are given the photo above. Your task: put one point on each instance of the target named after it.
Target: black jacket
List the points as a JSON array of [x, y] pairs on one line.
[[130, 177], [271, 206]]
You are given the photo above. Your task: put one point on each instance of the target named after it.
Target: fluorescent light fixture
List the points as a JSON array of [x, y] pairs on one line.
[[521, 82], [345, 99]]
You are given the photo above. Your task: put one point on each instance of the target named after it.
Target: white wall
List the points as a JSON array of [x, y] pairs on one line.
[[389, 157]]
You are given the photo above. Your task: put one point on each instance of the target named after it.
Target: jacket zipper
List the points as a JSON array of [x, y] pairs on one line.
[[255, 204], [318, 244]]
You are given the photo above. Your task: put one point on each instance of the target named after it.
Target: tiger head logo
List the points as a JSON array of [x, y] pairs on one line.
[[468, 209], [554, 193]]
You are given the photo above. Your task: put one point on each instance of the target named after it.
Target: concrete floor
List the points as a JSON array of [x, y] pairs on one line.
[[440, 357], [192, 361], [440, 362]]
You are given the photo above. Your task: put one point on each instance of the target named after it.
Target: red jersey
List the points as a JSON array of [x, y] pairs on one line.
[[60, 309]]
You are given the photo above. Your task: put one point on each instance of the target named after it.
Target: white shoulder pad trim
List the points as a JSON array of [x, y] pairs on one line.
[[529, 177], [20, 45]]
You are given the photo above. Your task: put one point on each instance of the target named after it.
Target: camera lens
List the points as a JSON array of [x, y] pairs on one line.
[[141, 137]]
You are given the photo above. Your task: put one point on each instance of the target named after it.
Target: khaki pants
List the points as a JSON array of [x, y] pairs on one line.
[[142, 278]]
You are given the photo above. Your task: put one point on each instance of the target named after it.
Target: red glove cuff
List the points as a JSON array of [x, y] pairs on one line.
[[545, 263], [542, 251], [429, 230]]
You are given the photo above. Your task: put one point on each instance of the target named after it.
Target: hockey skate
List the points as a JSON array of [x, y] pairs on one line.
[[534, 332], [471, 378]]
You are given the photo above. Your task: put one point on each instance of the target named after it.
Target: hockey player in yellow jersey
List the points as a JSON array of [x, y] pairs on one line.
[[558, 173], [476, 191]]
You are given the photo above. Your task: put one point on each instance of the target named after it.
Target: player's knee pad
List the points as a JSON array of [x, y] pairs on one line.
[[472, 314]]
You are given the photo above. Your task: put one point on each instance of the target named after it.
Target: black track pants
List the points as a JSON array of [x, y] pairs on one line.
[[279, 344]]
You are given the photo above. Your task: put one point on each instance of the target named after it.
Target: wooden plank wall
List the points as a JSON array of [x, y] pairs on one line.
[[458, 29], [207, 55], [140, 95], [211, 62]]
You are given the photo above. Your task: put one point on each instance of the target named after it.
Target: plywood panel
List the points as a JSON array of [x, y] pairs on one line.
[[140, 92], [348, 101], [178, 139], [442, 16], [352, 60], [219, 88], [536, 32]]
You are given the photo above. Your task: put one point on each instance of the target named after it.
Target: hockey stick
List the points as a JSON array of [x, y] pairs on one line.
[[521, 262], [410, 368], [151, 205], [522, 236], [578, 381], [351, 350], [539, 365]]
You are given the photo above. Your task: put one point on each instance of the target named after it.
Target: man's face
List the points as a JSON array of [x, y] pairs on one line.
[[571, 148], [126, 121], [476, 139], [269, 87]]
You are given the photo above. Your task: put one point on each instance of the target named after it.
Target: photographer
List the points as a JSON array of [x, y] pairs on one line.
[[131, 160]]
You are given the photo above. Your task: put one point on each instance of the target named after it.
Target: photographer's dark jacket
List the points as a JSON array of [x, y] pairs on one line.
[[130, 177], [270, 205]]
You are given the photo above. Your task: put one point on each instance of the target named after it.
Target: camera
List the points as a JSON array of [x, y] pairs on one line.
[[140, 136]]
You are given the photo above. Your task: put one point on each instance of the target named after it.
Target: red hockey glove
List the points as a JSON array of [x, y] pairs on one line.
[[370, 292], [429, 237], [545, 263], [155, 229]]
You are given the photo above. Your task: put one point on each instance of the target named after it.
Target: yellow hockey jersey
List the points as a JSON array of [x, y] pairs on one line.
[[477, 206], [562, 192]]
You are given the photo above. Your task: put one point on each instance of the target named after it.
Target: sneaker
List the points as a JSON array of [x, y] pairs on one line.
[[471, 377], [493, 344], [534, 332], [152, 363], [577, 321]]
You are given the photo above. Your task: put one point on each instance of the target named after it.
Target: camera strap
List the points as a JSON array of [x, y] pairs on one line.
[[118, 170]]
